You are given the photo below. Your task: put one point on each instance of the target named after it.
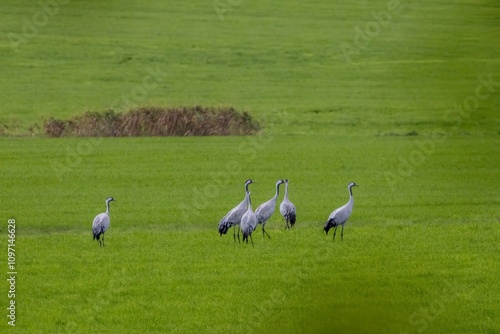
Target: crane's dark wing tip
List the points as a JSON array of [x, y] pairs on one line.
[[328, 225]]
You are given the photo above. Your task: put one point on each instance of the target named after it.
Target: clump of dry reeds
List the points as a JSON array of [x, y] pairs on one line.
[[155, 121]]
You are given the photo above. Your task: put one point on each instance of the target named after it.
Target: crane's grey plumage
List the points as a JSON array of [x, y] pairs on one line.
[[287, 209], [266, 210], [249, 220], [340, 215], [233, 217], [101, 223]]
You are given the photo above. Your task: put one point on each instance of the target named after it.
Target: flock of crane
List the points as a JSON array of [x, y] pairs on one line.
[[243, 217], [247, 220]]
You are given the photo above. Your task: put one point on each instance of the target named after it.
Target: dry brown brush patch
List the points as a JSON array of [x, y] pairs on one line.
[[155, 121]]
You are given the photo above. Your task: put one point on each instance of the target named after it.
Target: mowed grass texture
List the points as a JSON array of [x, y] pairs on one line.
[[310, 60], [421, 254], [403, 117]]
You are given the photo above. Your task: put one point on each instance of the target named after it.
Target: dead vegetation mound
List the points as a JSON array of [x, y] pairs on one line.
[[155, 121]]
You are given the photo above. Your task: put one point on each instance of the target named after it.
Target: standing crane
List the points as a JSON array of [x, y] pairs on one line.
[[340, 215], [266, 210], [233, 217], [287, 209], [101, 223], [249, 220]]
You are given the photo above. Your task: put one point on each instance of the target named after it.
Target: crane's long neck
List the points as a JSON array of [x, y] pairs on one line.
[[286, 190], [107, 207], [351, 197], [249, 202], [246, 187], [277, 192]]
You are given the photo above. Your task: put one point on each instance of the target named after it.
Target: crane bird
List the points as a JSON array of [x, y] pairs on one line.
[[340, 215], [233, 217], [266, 210], [287, 209], [249, 220], [101, 223]]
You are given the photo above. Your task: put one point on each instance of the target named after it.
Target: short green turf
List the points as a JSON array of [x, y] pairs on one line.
[[420, 251], [262, 57], [417, 253]]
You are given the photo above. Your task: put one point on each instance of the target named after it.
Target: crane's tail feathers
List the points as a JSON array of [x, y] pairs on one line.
[[97, 232], [223, 227], [328, 225]]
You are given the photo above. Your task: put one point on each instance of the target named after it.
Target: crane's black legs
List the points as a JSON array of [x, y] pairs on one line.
[[246, 239], [335, 232], [287, 226], [264, 231], [234, 234], [102, 240], [342, 233]]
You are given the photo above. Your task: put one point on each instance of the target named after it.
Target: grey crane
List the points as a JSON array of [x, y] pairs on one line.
[[340, 215], [287, 209], [266, 210], [233, 217], [248, 221], [101, 223]]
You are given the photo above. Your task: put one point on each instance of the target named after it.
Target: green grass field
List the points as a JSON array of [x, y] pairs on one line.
[[420, 251]]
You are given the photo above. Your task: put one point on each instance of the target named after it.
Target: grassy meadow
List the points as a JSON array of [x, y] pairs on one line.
[[412, 117]]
